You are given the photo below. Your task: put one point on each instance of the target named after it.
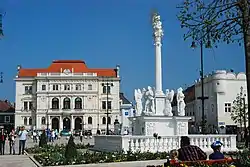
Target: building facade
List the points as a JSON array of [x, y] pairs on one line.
[[67, 95], [7, 115], [221, 88]]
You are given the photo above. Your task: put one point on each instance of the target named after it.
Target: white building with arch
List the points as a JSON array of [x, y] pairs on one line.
[[221, 87], [67, 95]]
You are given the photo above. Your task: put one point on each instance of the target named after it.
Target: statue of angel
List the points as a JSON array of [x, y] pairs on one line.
[[150, 103], [157, 25], [180, 102], [138, 100], [168, 100]]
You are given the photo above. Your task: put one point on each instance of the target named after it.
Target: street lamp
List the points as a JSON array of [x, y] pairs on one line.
[[107, 86], [1, 25], [1, 77], [202, 97]]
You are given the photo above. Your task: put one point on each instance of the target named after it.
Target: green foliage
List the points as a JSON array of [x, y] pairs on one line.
[[43, 140], [214, 21], [71, 150], [239, 109]]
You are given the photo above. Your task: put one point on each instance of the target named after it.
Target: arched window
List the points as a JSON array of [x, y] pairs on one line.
[[43, 121], [66, 103], [78, 103], [90, 120], [30, 121], [103, 120], [55, 103], [25, 121], [109, 120]]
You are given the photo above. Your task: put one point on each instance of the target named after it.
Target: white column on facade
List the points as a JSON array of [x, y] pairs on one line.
[[72, 123], [61, 123]]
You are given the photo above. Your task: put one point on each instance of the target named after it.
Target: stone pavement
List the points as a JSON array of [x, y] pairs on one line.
[[16, 161]]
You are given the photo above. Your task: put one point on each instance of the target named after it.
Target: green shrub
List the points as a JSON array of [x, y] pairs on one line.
[[71, 151], [43, 140]]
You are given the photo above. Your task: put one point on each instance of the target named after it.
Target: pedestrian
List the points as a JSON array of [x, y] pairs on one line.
[[34, 136], [22, 139], [12, 141], [81, 135], [216, 146], [3, 137], [53, 135]]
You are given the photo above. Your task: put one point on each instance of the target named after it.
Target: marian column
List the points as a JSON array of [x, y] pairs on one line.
[[158, 34]]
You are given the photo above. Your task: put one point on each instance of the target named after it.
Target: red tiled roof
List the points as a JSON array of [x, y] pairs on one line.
[[78, 66], [5, 106]]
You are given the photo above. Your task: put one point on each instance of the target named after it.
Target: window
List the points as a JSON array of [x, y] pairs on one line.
[[66, 103], [25, 105], [103, 104], [30, 105], [55, 103], [43, 87], [228, 107], [55, 87], [78, 87], [109, 120], [67, 87], [43, 121], [7, 119], [30, 121], [89, 87], [106, 89], [89, 120], [78, 103], [28, 89], [25, 121], [109, 105], [103, 120]]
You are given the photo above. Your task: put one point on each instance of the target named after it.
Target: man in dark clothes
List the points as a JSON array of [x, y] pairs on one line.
[[189, 152], [3, 137]]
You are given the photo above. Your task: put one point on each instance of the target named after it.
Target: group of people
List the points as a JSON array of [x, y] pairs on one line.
[[11, 139], [189, 152], [52, 135]]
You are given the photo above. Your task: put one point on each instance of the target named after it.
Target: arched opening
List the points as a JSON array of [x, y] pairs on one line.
[[66, 103], [109, 120], [55, 103], [55, 124], [103, 120], [30, 121], [78, 123], [90, 120], [66, 123], [43, 121], [25, 121], [78, 103]]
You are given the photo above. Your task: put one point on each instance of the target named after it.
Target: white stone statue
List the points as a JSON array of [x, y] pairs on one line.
[[144, 98], [138, 100], [168, 100], [157, 26], [180, 102], [150, 103]]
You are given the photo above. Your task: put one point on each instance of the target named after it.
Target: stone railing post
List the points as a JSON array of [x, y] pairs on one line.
[[125, 143]]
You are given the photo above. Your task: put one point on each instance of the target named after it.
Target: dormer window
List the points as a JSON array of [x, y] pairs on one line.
[[66, 71]]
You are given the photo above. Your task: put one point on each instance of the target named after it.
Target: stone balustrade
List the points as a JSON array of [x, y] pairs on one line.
[[113, 143]]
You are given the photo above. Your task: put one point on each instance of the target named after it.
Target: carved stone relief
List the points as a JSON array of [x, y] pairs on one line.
[[182, 128], [150, 128]]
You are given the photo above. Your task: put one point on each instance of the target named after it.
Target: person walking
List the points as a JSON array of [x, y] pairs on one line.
[[12, 141], [22, 139], [34, 136], [3, 137], [81, 135], [53, 135]]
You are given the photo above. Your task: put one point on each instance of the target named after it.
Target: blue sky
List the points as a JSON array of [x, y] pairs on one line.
[[103, 34]]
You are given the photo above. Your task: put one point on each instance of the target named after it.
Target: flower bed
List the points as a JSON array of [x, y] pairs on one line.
[[56, 157], [53, 148]]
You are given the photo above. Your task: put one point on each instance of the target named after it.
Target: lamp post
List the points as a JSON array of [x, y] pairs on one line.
[[1, 77], [107, 86], [202, 97]]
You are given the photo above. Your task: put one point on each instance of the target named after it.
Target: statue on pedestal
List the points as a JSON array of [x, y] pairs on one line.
[[180, 102], [157, 27], [149, 103], [138, 99], [168, 100]]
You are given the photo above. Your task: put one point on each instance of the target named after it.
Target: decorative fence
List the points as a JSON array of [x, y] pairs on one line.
[[113, 143]]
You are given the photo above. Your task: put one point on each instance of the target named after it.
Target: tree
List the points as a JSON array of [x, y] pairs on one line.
[[71, 151], [239, 110], [43, 140], [215, 21]]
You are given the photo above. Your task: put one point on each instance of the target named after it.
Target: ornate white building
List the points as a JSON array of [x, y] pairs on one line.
[[67, 95], [221, 88]]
